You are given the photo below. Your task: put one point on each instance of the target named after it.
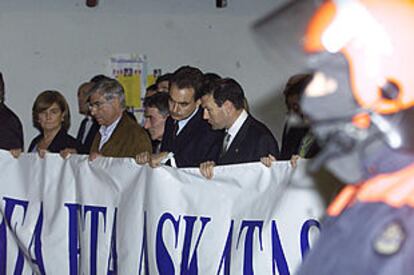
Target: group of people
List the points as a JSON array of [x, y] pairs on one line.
[[203, 120], [191, 119]]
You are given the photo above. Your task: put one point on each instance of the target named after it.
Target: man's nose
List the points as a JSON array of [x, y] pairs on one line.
[[205, 114], [92, 110], [175, 108]]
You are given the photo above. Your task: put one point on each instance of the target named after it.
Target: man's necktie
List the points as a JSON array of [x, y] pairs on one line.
[[175, 128], [225, 144], [82, 129]]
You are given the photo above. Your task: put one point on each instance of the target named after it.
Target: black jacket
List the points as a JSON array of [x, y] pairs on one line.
[[196, 142], [61, 141], [11, 130], [253, 141], [90, 135], [291, 141]]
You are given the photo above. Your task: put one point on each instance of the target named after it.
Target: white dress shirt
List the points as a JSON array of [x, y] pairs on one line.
[[234, 129], [106, 132]]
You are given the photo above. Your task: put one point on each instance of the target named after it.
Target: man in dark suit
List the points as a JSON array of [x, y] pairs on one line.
[[119, 135], [188, 140], [88, 127], [11, 130], [246, 139]]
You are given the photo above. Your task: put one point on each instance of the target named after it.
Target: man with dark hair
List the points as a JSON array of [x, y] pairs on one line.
[[246, 139], [11, 130], [150, 90], [156, 113], [88, 127], [119, 135], [188, 140], [163, 82], [208, 81]]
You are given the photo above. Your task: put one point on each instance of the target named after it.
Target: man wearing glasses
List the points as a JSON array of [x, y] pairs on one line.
[[119, 135]]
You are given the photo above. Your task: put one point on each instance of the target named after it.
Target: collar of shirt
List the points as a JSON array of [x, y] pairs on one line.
[[106, 132], [88, 125], [182, 123], [234, 129]]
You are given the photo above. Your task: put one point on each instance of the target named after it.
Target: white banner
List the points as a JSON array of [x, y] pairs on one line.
[[112, 216]]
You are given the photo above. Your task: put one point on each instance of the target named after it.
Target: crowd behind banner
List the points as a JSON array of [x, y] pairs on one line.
[[191, 119], [112, 216]]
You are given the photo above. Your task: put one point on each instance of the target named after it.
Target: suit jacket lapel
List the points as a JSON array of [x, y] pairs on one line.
[[235, 144], [186, 133]]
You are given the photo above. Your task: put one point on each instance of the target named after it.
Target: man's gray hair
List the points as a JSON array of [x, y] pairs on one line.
[[109, 88]]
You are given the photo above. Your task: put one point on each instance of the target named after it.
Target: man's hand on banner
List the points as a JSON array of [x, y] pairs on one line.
[[157, 159], [42, 153], [143, 158], [94, 155], [294, 160], [267, 161], [65, 153], [207, 169], [16, 152]]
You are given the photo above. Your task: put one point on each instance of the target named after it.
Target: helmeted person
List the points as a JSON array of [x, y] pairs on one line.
[[360, 105]]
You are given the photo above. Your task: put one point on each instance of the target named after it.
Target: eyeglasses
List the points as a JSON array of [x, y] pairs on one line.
[[97, 104]]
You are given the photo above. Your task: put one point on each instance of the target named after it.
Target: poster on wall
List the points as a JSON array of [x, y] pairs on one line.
[[131, 71]]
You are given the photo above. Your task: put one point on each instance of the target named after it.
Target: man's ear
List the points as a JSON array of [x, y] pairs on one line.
[[116, 101], [198, 102], [228, 107]]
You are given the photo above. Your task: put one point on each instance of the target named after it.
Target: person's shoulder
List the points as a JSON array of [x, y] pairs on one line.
[[260, 131], [7, 114], [205, 129], [257, 126], [67, 140], [131, 126], [128, 122]]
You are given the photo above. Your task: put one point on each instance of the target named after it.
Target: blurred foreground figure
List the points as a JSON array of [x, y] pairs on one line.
[[360, 106]]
